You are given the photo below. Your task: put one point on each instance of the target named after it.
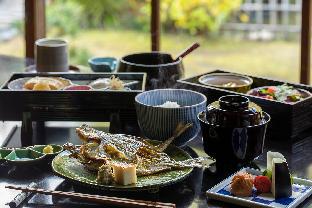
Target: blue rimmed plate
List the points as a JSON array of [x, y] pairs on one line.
[[301, 188]]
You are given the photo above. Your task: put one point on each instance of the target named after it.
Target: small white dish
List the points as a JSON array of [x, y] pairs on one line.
[[302, 189], [18, 84]]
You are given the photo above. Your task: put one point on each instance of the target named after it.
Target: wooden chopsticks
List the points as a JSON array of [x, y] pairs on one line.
[[116, 201]]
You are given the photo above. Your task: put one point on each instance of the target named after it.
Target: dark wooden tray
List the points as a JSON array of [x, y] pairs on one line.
[[68, 105], [288, 119]]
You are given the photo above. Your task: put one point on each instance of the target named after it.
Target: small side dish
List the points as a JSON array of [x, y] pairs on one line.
[[46, 83], [112, 83], [24, 157], [227, 81], [282, 93], [276, 179], [78, 87], [242, 184], [261, 195], [49, 151]]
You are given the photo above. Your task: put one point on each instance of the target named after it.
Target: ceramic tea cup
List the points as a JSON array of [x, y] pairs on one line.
[[51, 55]]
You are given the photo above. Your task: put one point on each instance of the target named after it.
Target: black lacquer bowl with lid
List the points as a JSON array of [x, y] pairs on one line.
[[233, 130]]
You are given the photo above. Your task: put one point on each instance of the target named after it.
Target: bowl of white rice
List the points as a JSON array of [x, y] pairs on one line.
[[160, 111]]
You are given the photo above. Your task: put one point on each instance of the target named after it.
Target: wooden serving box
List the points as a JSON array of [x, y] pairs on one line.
[[288, 120], [63, 105], [66, 105]]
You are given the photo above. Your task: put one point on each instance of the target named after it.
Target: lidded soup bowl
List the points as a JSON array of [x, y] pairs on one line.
[[233, 129]]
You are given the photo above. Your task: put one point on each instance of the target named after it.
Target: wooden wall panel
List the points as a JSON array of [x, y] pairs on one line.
[[305, 42], [155, 25], [35, 24]]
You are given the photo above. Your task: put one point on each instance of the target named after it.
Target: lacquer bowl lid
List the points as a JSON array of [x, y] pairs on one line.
[[234, 111]]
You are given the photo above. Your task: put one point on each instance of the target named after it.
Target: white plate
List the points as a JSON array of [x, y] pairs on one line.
[[18, 84], [302, 189]]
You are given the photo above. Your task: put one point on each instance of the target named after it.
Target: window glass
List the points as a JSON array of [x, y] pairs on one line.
[[106, 28], [251, 37], [12, 43]]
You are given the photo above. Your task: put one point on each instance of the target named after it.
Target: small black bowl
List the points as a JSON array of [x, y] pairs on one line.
[[233, 145], [162, 71]]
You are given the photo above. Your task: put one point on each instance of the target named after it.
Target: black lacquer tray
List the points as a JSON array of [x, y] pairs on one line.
[[288, 119], [63, 105]]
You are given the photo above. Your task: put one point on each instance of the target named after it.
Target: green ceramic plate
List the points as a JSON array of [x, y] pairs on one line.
[[71, 169], [23, 157]]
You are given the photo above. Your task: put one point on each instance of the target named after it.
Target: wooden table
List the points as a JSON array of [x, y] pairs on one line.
[[188, 193]]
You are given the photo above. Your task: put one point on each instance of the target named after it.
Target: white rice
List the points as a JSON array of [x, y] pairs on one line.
[[169, 104]]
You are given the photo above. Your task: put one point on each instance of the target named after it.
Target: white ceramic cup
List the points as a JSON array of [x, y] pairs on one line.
[[51, 55]]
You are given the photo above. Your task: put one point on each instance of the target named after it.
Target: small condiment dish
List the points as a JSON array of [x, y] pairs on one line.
[[103, 64], [20, 157], [227, 81], [4, 153], [49, 156]]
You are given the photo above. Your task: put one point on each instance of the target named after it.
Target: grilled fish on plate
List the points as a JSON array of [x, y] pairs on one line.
[[102, 148]]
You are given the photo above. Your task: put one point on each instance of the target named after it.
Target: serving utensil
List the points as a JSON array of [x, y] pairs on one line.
[[108, 200], [187, 51]]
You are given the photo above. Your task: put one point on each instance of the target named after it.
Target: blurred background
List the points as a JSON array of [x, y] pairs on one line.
[[255, 37]]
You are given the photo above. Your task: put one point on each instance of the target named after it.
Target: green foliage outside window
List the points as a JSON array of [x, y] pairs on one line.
[[197, 16], [193, 16]]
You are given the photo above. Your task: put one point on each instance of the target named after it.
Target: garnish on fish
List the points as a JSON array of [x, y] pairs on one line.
[[100, 148]]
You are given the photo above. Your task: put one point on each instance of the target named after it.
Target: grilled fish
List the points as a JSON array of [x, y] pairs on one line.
[[102, 148]]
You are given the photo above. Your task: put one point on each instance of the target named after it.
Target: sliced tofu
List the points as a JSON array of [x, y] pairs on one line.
[[125, 174], [281, 182], [270, 156]]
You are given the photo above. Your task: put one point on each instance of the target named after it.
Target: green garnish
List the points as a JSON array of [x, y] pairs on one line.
[[281, 93], [294, 98], [263, 91], [267, 173], [291, 179]]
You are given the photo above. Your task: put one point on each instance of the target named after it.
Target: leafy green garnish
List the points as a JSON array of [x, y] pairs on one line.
[[294, 97], [291, 179], [267, 173], [0, 156], [263, 91]]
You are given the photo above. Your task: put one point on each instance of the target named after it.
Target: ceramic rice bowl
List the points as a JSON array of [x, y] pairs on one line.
[[159, 123]]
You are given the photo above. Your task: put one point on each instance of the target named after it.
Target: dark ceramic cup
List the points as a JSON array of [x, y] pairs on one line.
[[161, 70], [51, 55]]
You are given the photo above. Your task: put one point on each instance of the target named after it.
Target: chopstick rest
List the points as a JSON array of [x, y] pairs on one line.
[[21, 197]]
